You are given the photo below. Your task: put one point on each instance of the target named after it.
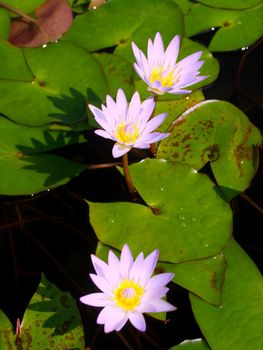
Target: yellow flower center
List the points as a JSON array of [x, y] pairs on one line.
[[127, 133], [166, 79], [128, 294]]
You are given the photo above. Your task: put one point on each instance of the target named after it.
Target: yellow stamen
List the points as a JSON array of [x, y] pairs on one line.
[[128, 294], [158, 74], [127, 133]]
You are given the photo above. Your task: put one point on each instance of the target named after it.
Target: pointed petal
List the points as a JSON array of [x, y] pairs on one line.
[[111, 318], [122, 104], [95, 299], [134, 107], [139, 72], [153, 123], [152, 138], [171, 53], [135, 270], [137, 320], [101, 283], [100, 118], [156, 305], [148, 266], [158, 47], [104, 134], [113, 261], [126, 259], [119, 150], [155, 285]]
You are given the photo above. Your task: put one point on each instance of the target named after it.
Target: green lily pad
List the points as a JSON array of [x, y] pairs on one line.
[[27, 6], [202, 277], [237, 28], [184, 5], [193, 344], [4, 23], [181, 232], [13, 65], [231, 4], [26, 168], [52, 320], [238, 323], [118, 72], [64, 74], [118, 22], [217, 132]]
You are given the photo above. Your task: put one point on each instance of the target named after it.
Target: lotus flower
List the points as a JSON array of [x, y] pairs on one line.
[[128, 124], [161, 72], [127, 289]]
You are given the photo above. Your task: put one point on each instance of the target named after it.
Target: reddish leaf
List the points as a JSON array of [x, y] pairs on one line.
[[53, 19]]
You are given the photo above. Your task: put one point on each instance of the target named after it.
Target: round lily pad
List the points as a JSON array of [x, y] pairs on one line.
[[216, 132], [237, 324], [237, 28], [118, 22], [190, 220], [231, 4]]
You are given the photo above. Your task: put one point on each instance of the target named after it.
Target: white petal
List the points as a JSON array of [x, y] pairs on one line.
[[95, 299], [126, 259], [156, 305], [134, 107], [154, 123], [137, 320], [171, 53], [99, 265], [158, 47], [113, 261], [153, 137], [147, 108], [119, 150], [136, 52], [121, 102], [155, 285], [100, 118], [149, 266], [139, 72], [111, 318], [136, 269], [104, 134], [101, 283]]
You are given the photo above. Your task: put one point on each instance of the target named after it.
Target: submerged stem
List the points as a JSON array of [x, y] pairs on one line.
[[127, 173]]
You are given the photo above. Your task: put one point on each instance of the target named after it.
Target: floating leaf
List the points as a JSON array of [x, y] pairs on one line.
[[27, 6], [24, 168], [193, 344], [51, 321], [118, 22], [217, 132], [58, 91], [231, 4], [13, 65], [238, 28], [202, 277], [181, 232], [4, 23], [238, 323], [118, 72], [53, 19]]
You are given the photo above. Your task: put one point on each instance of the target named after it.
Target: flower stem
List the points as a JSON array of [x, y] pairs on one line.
[[127, 173], [153, 148]]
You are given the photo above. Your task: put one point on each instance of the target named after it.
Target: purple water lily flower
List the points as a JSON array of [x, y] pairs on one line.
[[128, 124], [161, 72], [127, 289]]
